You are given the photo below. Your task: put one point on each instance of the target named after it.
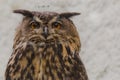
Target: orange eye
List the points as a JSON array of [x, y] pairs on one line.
[[34, 25], [56, 25]]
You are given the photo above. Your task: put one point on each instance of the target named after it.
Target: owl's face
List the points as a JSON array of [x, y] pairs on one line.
[[47, 26]]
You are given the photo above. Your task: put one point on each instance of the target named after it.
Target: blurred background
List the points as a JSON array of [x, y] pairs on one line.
[[98, 26]]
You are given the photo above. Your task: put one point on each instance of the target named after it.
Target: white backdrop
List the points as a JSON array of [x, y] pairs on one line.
[[98, 26]]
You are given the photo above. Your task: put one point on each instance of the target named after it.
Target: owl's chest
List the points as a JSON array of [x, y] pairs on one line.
[[35, 62], [50, 62], [46, 62]]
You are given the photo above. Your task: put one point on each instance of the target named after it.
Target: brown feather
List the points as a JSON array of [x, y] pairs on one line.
[[69, 14], [24, 12]]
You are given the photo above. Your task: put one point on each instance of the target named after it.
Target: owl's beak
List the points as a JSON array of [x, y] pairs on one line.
[[45, 32]]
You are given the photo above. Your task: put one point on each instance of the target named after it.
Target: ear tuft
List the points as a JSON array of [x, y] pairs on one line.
[[24, 12], [69, 14]]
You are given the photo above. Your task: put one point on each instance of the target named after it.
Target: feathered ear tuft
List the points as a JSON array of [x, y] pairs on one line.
[[69, 14], [24, 12]]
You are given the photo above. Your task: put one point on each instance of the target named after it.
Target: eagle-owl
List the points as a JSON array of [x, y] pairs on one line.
[[46, 47]]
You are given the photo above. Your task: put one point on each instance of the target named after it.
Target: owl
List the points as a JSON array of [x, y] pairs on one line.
[[46, 47]]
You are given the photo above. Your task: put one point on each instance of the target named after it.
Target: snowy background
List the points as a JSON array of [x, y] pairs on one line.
[[98, 26]]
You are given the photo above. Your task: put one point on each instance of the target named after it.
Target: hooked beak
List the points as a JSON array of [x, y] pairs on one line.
[[45, 32]]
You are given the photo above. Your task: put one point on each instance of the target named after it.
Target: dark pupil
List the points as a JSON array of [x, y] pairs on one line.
[[35, 24], [55, 24]]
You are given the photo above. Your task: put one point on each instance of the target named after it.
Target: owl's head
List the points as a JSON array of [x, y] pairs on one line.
[[46, 26]]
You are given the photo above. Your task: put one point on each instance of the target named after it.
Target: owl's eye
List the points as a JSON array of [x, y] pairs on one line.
[[34, 25], [56, 25]]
